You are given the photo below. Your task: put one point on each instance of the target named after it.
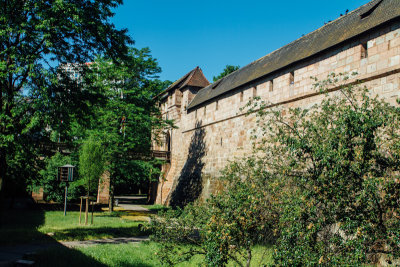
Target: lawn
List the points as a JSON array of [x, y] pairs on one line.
[[155, 208], [47, 226], [35, 226], [143, 254]]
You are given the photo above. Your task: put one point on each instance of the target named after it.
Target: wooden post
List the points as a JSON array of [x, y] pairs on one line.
[[65, 200], [87, 210], [92, 211], [80, 212]]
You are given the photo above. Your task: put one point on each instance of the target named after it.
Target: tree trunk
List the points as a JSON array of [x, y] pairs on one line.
[[249, 256], [111, 198], [3, 172]]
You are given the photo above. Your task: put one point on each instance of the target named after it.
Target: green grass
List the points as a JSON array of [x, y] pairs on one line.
[[143, 254], [46, 226], [155, 208], [18, 227]]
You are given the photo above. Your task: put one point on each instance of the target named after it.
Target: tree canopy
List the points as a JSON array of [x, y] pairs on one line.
[[228, 70], [36, 37], [126, 120]]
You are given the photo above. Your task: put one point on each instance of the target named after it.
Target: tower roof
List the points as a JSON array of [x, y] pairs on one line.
[[195, 78]]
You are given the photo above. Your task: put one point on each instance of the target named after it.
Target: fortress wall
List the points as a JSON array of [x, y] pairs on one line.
[[220, 128]]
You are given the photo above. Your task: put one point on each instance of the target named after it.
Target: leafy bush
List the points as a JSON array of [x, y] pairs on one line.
[[228, 225], [342, 156], [53, 189]]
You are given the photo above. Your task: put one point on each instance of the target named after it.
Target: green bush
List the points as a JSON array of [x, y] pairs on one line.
[[54, 189], [228, 226], [342, 158]]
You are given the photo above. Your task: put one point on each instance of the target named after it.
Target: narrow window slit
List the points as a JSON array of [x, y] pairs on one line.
[[291, 78], [364, 50]]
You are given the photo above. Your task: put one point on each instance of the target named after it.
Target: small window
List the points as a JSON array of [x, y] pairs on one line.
[[271, 85], [254, 91], [216, 105], [291, 77], [241, 96], [205, 110], [195, 114], [364, 50]]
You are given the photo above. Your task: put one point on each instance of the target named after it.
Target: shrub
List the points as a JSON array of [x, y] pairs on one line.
[[228, 225], [54, 190], [342, 156]]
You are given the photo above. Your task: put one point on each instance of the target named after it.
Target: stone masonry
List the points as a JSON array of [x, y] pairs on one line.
[[211, 129]]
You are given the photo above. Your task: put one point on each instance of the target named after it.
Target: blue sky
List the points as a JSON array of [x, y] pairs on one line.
[[212, 34]]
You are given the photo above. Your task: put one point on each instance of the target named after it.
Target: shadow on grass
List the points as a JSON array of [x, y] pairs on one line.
[[97, 233], [64, 257], [155, 209], [20, 226], [19, 236], [127, 212]]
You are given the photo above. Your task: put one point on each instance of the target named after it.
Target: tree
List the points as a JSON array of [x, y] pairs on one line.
[[227, 227], [91, 162], [129, 116], [340, 159], [36, 36], [54, 189], [228, 70]]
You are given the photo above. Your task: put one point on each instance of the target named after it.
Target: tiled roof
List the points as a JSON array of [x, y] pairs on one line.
[[194, 78], [353, 24]]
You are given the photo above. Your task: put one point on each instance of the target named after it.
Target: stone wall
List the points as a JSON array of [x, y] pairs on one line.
[[211, 135]]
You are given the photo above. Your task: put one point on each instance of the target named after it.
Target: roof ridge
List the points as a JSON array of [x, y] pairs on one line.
[[316, 30], [189, 78], [336, 32], [179, 80]]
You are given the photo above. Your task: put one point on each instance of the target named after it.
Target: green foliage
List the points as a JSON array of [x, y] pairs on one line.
[[126, 120], [35, 37], [53, 189], [91, 163], [173, 228], [228, 226], [341, 159], [243, 214], [228, 70]]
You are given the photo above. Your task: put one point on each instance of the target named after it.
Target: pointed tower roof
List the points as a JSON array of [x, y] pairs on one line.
[[194, 78]]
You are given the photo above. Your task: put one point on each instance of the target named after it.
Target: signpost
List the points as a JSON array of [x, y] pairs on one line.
[[66, 174]]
